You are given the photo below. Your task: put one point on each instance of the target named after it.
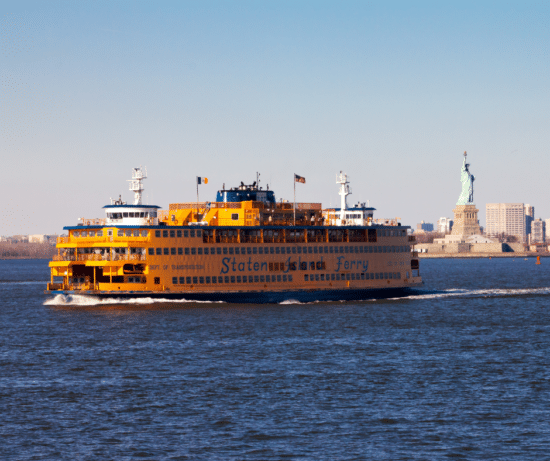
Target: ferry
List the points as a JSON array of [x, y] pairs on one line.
[[243, 248]]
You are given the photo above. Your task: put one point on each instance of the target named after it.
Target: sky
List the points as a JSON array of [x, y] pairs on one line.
[[390, 92]]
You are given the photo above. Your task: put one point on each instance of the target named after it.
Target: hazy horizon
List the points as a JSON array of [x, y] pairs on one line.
[[392, 93]]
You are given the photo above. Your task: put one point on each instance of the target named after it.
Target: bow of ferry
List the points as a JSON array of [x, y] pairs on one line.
[[244, 247]]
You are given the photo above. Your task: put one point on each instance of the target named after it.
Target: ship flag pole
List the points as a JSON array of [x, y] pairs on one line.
[[303, 181], [200, 180]]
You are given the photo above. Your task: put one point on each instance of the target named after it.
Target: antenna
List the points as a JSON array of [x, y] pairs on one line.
[[138, 175]]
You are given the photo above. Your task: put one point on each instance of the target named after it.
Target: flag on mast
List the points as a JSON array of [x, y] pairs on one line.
[[299, 179], [202, 180]]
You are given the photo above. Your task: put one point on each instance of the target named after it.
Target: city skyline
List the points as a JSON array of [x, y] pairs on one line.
[[391, 93]]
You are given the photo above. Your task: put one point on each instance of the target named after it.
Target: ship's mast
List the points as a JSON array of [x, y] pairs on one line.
[[345, 190], [136, 186]]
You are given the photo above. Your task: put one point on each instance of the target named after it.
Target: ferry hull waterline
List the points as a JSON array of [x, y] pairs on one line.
[[243, 248]]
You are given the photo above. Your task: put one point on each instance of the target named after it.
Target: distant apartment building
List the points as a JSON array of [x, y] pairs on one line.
[[547, 229], [538, 231], [529, 217], [42, 238], [444, 225], [507, 219], [424, 227]]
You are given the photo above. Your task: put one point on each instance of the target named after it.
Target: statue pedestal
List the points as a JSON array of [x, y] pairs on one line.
[[466, 222]]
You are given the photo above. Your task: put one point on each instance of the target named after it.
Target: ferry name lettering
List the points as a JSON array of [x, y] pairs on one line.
[[350, 265]]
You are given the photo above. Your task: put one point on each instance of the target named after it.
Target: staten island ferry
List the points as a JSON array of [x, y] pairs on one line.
[[245, 247]]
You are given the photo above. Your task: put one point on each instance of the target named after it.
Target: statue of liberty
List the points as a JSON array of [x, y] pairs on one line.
[[467, 181]]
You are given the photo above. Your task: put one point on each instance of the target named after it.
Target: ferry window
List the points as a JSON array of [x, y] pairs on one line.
[[284, 278], [166, 251], [262, 279], [238, 279], [224, 250], [153, 214], [136, 232], [92, 234], [290, 277], [174, 280], [244, 278], [235, 216], [188, 280], [128, 232], [385, 275], [220, 279], [157, 280], [277, 250], [226, 279], [317, 277], [157, 233], [207, 279], [159, 251], [198, 233], [390, 275], [172, 233], [178, 233], [180, 251], [218, 251], [249, 250], [186, 233], [192, 233], [362, 276], [299, 250], [125, 214], [399, 275], [76, 234], [254, 250], [237, 250], [331, 277], [110, 232], [195, 280], [230, 250], [165, 233], [352, 276], [172, 251], [305, 277], [187, 251], [182, 280], [199, 251], [278, 278], [294, 250], [151, 251], [341, 249], [206, 251], [201, 280], [131, 214], [272, 250], [214, 279], [193, 251], [315, 249], [261, 251], [357, 249]]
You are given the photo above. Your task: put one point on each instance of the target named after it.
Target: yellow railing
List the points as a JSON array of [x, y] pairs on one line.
[[96, 257]]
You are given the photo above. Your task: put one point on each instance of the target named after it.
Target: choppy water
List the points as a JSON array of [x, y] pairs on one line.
[[459, 371]]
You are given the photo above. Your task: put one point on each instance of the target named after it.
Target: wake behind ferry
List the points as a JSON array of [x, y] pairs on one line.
[[245, 248]]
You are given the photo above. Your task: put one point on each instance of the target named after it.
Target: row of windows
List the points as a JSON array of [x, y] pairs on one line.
[[132, 214], [279, 250], [120, 233], [353, 276], [178, 233], [232, 279]]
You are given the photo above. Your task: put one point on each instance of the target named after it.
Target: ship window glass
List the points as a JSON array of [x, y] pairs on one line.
[[178, 233], [157, 233], [187, 251], [238, 279], [166, 251], [151, 251], [198, 233], [376, 275], [131, 214], [206, 251], [331, 277], [195, 280], [226, 279], [92, 234], [201, 280], [385, 275], [144, 232], [207, 279], [188, 280], [159, 251], [305, 277], [156, 280], [353, 276], [224, 250], [315, 250], [272, 250], [218, 251], [192, 233], [220, 279], [186, 233], [230, 250], [317, 277], [322, 277], [165, 233], [390, 275], [174, 280], [109, 232], [235, 216], [244, 278], [294, 250], [399, 275], [278, 278], [255, 250], [214, 279], [180, 251], [193, 251], [346, 249], [341, 249], [128, 232], [182, 280], [76, 234], [290, 277], [362, 276], [331, 249], [249, 250], [136, 232], [261, 250], [199, 251], [262, 278], [172, 251], [125, 214], [277, 250], [299, 249], [172, 233]]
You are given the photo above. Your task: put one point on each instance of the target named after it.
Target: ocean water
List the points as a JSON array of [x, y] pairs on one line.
[[459, 370]]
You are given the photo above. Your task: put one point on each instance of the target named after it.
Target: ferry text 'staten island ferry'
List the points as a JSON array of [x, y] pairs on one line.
[[244, 247]]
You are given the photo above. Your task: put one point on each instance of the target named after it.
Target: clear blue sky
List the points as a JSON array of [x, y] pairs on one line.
[[391, 92]]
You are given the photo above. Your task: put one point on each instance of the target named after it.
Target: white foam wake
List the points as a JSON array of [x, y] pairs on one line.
[[83, 300], [491, 292]]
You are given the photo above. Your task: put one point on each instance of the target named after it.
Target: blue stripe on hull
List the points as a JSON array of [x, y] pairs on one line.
[[257, 297]]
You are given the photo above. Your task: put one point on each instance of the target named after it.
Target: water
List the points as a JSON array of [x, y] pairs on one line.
[[458, 371]]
